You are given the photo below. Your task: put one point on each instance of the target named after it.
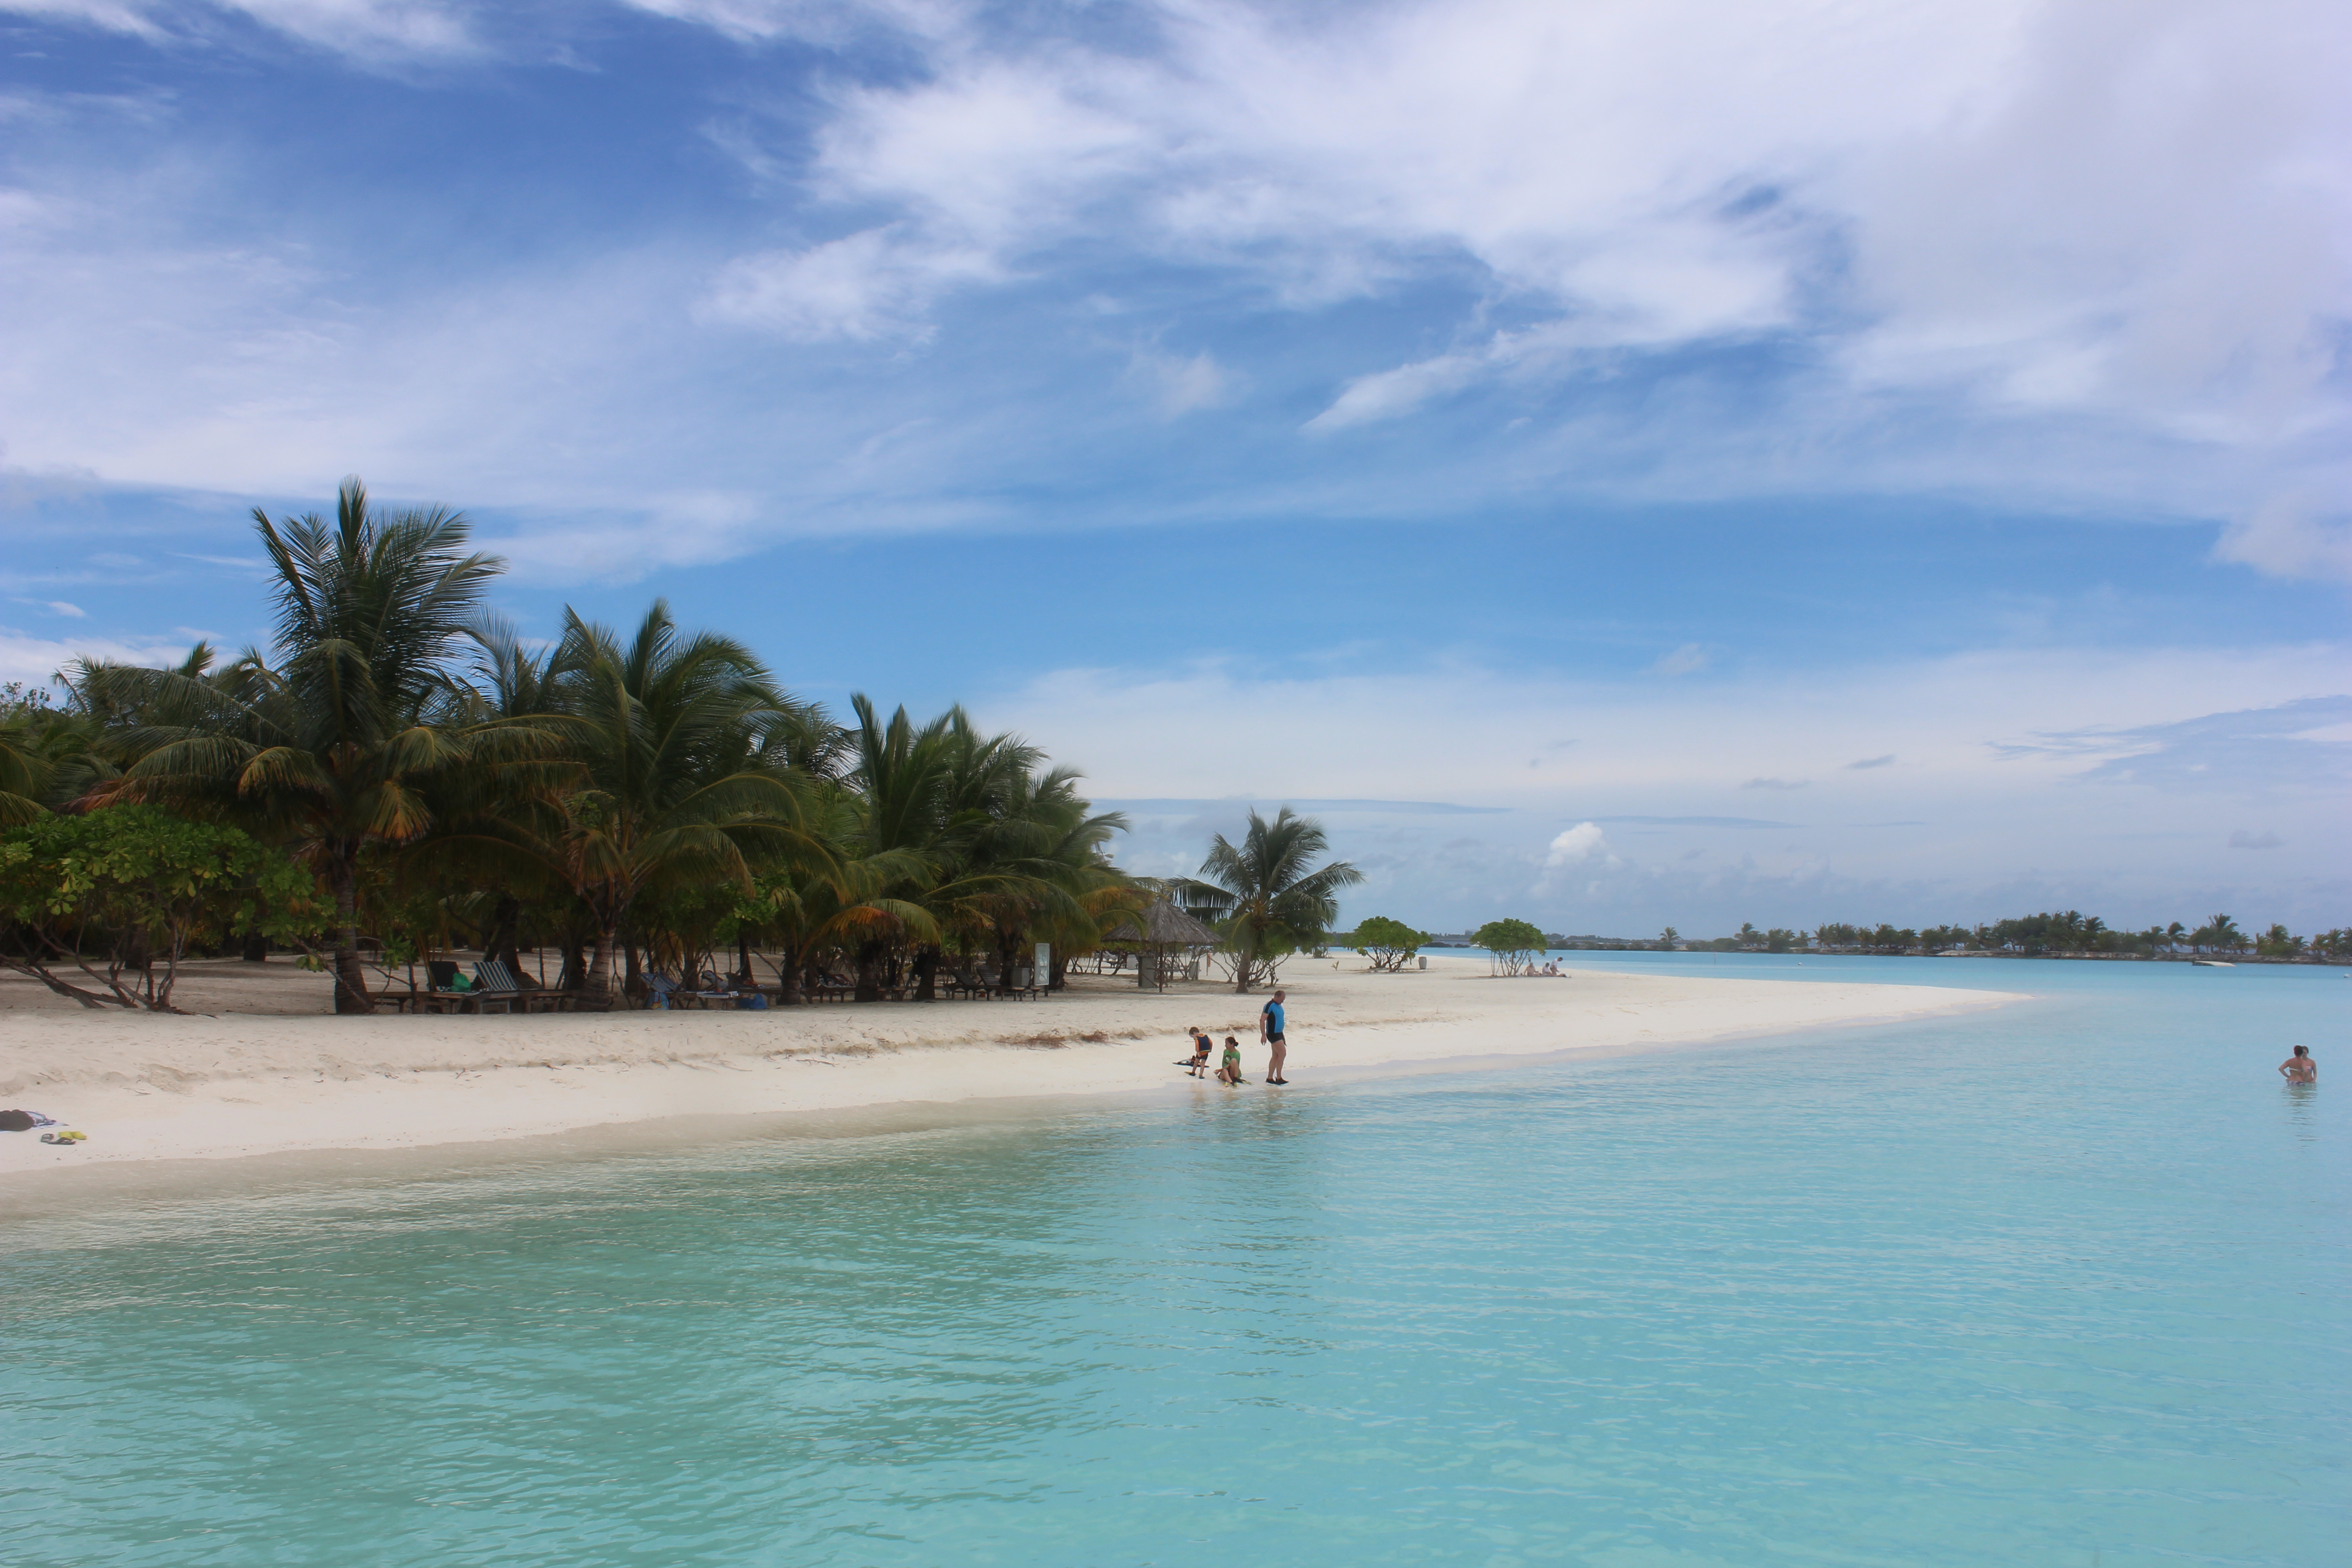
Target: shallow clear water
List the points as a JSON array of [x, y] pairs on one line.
[[2065, 1283]]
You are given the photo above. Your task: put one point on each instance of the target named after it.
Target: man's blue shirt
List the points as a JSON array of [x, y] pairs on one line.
[[1273, 1018]]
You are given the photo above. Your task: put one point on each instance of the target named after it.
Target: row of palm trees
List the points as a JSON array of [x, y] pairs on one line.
[[614, 796], [642, 790]]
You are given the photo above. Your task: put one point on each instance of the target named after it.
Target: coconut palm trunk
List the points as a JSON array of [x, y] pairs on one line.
[[351, 980]]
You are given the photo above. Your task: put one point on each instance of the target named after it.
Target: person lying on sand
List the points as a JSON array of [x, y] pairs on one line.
[[1202, 1045], [2299, 1068], [1230, 1073]]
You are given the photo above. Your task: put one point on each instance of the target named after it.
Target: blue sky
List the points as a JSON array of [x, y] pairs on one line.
[[1779, 462]]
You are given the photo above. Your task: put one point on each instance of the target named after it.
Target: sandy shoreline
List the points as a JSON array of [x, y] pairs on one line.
[[237, 1086]]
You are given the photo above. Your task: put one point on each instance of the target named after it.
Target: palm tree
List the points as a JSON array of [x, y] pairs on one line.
[[991, 848], [327, 747], [671, 785], [48, 757], [1266, 891]]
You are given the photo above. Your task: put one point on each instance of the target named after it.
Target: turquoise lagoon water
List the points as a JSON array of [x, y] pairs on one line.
[[2065, 1283]]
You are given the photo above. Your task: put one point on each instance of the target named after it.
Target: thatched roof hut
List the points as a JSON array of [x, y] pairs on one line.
[[1164, 925], [1169, 943]]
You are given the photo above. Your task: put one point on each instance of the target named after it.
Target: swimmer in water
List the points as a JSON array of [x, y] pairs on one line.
[[2299, 1068]]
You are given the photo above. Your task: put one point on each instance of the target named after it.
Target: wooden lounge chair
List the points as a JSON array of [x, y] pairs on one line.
[[495, 982]]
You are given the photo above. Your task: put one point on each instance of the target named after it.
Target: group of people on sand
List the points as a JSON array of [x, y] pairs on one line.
[[1229, 1068]]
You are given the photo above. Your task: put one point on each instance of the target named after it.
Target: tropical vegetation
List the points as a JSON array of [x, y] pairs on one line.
[[1517, 946], [1267, 894], [2068, 933], [105, 904], [1390, 944], [400, 774]]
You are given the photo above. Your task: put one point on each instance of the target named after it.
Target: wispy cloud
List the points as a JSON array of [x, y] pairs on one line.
[[1867, 763], [2292, 746], [1696, 249], [876, 283], [1953, 832], [2292, 535], [1687, 660], [365, 30]]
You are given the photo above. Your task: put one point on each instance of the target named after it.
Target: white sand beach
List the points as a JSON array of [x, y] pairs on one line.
[[234, 1084]]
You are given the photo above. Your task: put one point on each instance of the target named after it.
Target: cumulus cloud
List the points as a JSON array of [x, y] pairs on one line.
[[1577, 847]]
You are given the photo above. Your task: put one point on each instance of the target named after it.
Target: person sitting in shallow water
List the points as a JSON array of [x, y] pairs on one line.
[[2299, 1068], [1230, 1073]]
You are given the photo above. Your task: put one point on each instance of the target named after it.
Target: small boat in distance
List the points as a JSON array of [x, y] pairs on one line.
[[2211, 963]]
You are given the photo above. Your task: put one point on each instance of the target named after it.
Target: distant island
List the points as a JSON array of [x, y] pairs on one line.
[[2069, 934]]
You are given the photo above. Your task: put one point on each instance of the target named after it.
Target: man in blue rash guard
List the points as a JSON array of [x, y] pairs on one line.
[[1269, 1030]]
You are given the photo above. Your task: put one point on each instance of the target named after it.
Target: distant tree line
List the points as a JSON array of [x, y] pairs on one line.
[[2070, 933]]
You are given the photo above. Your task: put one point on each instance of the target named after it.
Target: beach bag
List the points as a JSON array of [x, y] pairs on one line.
[[16, 1122]]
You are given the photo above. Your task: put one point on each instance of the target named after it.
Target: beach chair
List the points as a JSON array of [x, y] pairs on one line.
[[494, 982], [441, 994], [659, 989]]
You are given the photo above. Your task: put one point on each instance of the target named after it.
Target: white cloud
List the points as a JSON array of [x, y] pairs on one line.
[[2291, 536], [60, 607], [1182, 385], [2086, 254], [1575, 845], [366, 29], [1392, 394], [1687, 660], [1964, 828], [2115, 209], [830, 22], [873, 284], [33, 659]]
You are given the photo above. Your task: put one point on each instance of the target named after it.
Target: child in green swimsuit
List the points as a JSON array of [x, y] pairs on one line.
[[1231, 1073]]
